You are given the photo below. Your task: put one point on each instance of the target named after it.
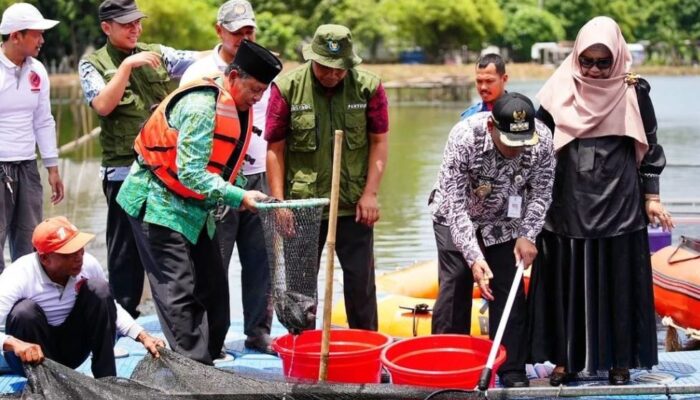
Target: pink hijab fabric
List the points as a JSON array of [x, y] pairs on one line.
[[586, 107]]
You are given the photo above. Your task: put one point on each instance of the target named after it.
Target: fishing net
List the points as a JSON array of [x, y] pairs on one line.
[[291, 236], [173, 376]]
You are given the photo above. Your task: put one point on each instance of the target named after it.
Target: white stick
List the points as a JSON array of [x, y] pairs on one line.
[[506, 313]]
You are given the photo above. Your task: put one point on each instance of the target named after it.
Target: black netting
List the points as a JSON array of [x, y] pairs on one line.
[[173, 376], [291, 236]]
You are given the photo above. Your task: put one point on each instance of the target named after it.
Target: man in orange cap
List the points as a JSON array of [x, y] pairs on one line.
[[56, 303]]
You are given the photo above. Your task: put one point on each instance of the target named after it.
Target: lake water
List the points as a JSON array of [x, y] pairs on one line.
[[418, 134]]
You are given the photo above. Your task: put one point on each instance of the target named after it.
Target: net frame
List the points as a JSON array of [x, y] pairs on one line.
[[291, 229], [293, 204]]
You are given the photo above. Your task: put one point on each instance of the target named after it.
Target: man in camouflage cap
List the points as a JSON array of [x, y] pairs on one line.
[[306, 105]]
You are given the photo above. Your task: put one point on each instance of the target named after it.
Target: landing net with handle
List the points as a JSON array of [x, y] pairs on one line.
[[291, 230]]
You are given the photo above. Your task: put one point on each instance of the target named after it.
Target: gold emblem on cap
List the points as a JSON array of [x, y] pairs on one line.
[[519, 116], [519, 124], [239, 9]]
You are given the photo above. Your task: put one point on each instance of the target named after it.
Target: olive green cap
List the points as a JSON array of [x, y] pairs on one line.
[[332, 47]]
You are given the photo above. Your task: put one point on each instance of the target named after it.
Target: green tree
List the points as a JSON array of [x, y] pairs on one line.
[[445, 24], [180, 24], [364, 18], [301, 8], [575, 13], [281, 33], [527, 26], [78, 29], [674, 27]]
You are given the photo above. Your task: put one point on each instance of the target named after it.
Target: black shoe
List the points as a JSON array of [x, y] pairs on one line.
[[223, 356], [514, 379], [261, 344], [561, 378], [619, 376]]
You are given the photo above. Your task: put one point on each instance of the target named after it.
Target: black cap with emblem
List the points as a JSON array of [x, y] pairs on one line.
[[514, 116]]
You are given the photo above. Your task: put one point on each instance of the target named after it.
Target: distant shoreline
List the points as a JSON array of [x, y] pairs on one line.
[[517, 72], [394, 72]]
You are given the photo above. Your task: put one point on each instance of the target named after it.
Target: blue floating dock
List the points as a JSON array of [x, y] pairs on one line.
[[679, 370]]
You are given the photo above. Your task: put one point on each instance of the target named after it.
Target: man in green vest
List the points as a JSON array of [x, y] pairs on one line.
[[121, 82], [306, 106]]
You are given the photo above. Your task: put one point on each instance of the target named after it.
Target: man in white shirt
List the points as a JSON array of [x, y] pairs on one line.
[[236, 22], [25, 122], [56, 303]]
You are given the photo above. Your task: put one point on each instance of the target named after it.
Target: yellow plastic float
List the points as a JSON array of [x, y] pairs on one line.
[[404, 298]]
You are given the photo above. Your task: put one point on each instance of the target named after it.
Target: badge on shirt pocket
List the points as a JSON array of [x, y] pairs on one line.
[[34, 81], [484, 188]]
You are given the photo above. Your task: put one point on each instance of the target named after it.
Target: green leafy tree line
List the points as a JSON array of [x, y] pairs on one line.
[[437, 26]]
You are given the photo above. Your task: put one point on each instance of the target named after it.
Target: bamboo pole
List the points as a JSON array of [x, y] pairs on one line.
[[68, 147], [330, 256]]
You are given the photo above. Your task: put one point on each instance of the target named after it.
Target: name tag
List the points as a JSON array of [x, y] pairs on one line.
[[515, 204], [300, 107]]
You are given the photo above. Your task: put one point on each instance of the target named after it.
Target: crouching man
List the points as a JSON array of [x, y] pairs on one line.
[[56, 303]]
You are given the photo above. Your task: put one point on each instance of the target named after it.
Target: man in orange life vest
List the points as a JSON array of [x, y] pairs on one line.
[[189, 153]]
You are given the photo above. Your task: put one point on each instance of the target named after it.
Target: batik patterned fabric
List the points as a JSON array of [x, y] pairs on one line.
[[475, 182]]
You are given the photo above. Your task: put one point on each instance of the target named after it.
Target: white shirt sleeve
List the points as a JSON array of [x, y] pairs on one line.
[[201, 69], [12, 284], [44, 124]]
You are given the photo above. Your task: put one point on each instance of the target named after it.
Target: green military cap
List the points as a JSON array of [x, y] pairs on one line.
[[332, 47]]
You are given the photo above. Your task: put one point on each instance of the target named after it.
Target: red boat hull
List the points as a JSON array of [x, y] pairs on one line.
[[677, 286]]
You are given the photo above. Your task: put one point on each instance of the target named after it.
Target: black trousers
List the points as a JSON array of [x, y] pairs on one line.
[[123, 262], [354, 245], [244, 230], [90, 327], [501, 260], [453, 307], [189, 286], [452, 310]]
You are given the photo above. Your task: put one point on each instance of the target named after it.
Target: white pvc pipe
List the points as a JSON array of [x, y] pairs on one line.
[[506, 313]]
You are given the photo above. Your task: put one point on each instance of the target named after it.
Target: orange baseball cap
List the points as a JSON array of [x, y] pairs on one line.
[[58, 235]]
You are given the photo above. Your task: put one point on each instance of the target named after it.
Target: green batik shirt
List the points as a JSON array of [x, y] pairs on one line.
[[193, 116]]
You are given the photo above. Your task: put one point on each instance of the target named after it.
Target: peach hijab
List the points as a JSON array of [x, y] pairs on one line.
[[586, 107]]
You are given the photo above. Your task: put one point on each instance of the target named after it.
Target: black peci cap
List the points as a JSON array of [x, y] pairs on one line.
[[514, 116], [257, 61]]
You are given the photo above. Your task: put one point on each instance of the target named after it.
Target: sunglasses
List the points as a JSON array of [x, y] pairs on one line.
[[601, 63]]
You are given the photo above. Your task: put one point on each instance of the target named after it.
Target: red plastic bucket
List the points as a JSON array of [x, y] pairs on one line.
[[353, 356], [444, 361]]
